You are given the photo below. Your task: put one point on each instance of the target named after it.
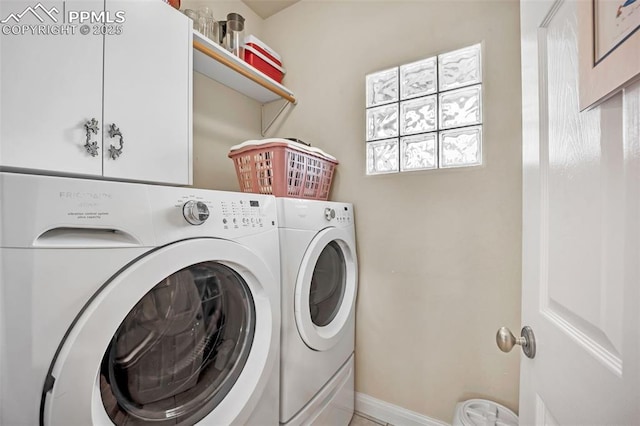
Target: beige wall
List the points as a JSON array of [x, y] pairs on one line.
[[222, 117], [439, 250]]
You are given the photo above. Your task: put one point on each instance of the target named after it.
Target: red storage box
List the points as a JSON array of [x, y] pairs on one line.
[[261, 47], [283, 169], [263, 63]]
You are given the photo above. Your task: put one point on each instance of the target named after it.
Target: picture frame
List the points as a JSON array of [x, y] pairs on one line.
[[609, 48]]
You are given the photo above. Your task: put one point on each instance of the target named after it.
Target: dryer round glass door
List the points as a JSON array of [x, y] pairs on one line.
[[181, 348], [186, 333], [326, 288], [328, 283]]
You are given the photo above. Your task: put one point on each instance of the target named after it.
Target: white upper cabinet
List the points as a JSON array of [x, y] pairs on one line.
[[133, 75], [50, 86], [147, 93]]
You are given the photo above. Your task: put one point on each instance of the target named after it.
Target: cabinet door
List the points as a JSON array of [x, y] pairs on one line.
[[147, 93], [51, 84]]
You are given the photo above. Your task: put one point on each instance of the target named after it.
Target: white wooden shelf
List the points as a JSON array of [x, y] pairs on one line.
[[218, 64]]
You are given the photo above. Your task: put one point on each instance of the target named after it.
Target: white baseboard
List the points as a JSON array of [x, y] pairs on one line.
[[393, 414]]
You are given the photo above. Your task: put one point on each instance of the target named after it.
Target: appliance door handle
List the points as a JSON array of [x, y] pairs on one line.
[[71, 237]]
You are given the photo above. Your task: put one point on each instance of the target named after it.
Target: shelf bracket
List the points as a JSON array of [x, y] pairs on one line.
[[266, 128]]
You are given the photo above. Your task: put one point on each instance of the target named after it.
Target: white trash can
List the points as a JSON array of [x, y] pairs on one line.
[[482, 412]]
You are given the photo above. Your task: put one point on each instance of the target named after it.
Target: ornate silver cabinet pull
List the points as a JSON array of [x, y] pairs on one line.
[[91, 126], [114, 152]]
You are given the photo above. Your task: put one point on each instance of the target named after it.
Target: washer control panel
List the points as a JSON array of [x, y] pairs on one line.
[[227, 211], [242, 214]]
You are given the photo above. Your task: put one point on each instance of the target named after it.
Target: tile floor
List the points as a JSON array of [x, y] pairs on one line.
[[360, 419]]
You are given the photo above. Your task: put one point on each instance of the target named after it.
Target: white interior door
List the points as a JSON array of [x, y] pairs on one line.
[[581, 239]]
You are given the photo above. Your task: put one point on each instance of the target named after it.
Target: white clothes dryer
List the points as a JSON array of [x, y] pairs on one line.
[[135, 304], [319, 286]]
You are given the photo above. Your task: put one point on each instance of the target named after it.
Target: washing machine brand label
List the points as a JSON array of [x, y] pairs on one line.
[[87, 205], [85, 195]]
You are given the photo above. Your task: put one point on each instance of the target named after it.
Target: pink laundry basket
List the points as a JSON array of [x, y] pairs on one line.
[[282, 170]]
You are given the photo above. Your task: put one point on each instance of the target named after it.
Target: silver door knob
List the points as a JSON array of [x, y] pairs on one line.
[[506, 340]]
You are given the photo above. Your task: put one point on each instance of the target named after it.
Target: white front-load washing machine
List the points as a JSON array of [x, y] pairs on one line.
[[319, 285], [136, 304]]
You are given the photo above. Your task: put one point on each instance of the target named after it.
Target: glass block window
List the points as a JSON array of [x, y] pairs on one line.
[[426, 114], [382, 156]]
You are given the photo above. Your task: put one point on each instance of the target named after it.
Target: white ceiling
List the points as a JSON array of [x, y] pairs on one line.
[[266, 8]]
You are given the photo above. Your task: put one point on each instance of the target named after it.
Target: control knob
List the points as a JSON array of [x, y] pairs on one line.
[[329, 213], [195, 212]]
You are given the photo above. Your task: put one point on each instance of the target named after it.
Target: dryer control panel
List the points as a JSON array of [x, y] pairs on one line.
[[341, 214], [313, 214]]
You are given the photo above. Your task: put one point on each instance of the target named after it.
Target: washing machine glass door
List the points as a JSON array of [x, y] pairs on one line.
[[326, 288], [167, 346], [180, 348]]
